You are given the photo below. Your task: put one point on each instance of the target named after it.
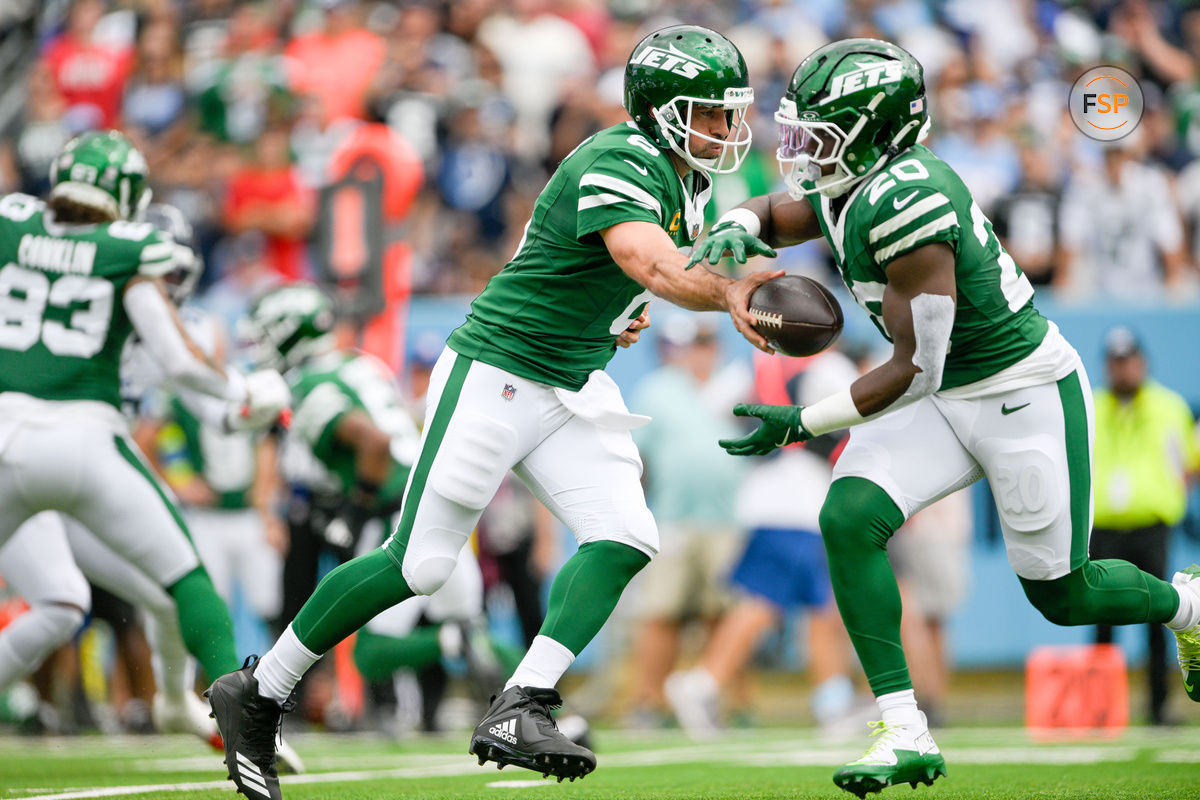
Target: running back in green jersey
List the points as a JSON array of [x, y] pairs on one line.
[[327, 388], [553, 313], [62, 322], [915, 200]]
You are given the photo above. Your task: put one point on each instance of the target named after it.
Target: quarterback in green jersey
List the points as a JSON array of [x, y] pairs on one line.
[[521, 386], [979, 384]]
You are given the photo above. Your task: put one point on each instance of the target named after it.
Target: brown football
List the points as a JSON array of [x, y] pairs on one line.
[[797, 315]]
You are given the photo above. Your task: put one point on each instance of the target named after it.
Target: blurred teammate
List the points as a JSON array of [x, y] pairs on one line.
[[521, 386], [80, 274], [978, 383]]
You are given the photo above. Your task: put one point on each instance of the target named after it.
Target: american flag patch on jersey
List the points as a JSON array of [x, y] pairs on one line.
[[509, 391]]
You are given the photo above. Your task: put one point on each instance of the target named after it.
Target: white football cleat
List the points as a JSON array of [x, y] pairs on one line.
[[695, 699], [899, 754], [190, 716]]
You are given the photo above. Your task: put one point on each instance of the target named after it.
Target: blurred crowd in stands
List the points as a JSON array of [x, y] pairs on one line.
[[239, 105]]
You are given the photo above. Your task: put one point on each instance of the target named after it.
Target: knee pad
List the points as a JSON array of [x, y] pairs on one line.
[[857, 513], [474, 457], [430, 558]]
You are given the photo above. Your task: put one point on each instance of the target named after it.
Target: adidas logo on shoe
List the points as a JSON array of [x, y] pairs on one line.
[[251, 776], [505, 731]]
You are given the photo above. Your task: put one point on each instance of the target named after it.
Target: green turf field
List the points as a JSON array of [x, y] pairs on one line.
[[1001, 763]]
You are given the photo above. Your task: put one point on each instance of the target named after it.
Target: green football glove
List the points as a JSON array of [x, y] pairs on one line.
[[732, 237], [780, 426]]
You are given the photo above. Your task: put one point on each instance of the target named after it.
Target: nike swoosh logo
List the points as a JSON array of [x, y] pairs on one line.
[[787, 435], [1005, 410], [898, 204], [645, 172], [1187, 687]]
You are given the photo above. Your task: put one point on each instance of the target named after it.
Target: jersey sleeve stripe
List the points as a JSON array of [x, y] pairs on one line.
[[917, 210], [157, 251], [605, 199], [947, 220], [637, 195]]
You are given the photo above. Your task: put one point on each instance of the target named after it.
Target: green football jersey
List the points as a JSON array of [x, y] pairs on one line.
[[62, 322], [226, 461], [326, 389], [554, 312], [915, 200]]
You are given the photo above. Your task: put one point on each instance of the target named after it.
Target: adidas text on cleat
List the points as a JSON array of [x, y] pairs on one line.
[[1188, 640], [519, 730], [248, 722], [900, 754]]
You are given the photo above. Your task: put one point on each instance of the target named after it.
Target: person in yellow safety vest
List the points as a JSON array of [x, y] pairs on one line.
[[1146, 454]]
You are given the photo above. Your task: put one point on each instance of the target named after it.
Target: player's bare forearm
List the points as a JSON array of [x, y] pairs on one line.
[[372, 447], [646, 254], [918, 312], [783, 221]]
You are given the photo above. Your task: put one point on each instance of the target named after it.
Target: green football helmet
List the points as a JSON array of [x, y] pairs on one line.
[[850, 105], [289, 325], [102, 170], [676, 69]]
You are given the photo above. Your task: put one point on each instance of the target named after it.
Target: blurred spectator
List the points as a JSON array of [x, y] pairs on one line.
[[539, 53], [337, 62], [88, 74], [1121, 229], [266, 195], [1026, 219], [691, 488], [155, 101], [244, 89], [982, 153], [930, 555], [783, 567], [43, 132], [1146, 455]]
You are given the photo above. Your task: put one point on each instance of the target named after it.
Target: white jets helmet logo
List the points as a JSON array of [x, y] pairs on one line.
[[867, 76], [671, 60]]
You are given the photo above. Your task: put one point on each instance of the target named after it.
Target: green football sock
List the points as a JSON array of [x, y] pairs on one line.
[[1107, 592], [347, 598], [857, 520], [205, 624], [377, 655], [586, 590]]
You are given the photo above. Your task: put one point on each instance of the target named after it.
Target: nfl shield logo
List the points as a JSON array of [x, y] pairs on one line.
[[509, 391]]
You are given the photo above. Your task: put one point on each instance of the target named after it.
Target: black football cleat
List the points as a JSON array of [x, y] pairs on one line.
[[248, 723], [519, 730]]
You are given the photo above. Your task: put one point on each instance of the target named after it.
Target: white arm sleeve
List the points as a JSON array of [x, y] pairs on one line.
[[933, 321], [150, 313]]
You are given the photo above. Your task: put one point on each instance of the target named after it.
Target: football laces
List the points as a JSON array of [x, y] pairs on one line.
[[768, 318]]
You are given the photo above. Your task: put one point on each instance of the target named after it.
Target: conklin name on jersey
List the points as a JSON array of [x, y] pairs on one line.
[[326, 389], [62, 322], [917, 199], [553, 313]]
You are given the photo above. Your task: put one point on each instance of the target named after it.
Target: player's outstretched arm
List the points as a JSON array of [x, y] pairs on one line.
[[918, 313], [258, 399], [646, 253]]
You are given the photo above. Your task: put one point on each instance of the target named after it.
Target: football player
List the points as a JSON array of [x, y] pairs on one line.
[[978, 383], [521, 386], [79, 275]]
